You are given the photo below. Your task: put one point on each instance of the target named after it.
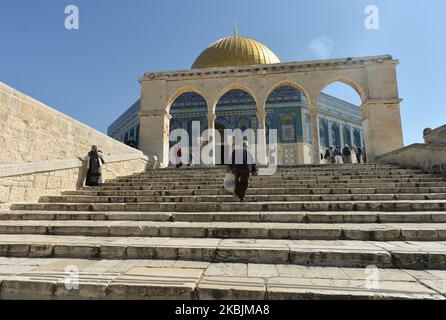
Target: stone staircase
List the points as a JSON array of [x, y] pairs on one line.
[[306, 232]]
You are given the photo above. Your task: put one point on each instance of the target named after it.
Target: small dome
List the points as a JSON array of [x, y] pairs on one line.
[[235, 51]]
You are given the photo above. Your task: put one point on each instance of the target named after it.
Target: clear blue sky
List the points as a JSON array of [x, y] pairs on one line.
[[91, 74]]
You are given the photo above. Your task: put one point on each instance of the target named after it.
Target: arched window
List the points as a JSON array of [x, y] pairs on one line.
[[335, 135], [346, 136], [288, 125], [323, 133], [357, 138]]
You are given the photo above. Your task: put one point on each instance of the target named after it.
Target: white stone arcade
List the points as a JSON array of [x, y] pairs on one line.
[[373, 78]]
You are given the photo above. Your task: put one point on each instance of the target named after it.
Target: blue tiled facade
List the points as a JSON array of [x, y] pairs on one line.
[[286, 110]]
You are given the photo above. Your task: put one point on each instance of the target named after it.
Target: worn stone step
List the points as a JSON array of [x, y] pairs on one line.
[[224, 230], [181, 177], [256, 182], [171, 279], [278, 183], [257, 191], [291, 217], [24, 278], [217, 185], [278, 175], [394, 206], [249, 198], [340, 253]]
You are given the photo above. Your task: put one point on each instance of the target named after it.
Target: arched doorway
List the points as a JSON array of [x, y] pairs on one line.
[[285, 112], [236, 109], [339, 110], [189, 112]]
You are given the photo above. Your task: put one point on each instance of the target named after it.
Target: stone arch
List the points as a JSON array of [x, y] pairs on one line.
[[226, 89], [287, 83], [183, 90], [349, 82]]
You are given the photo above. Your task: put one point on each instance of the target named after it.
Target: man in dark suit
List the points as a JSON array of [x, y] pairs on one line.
[[241, 166]]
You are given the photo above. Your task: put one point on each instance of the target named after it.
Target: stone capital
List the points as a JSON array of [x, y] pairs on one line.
[[381, 101], [153, 114], [261, 115], [313, 112], [212, 117]]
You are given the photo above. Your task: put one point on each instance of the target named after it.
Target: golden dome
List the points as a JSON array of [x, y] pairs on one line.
[[235, 51]]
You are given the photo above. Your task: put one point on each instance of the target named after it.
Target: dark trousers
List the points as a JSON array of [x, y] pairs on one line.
[[241, 182]]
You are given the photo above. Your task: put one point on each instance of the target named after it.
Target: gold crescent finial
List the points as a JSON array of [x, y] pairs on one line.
[[235, 34]]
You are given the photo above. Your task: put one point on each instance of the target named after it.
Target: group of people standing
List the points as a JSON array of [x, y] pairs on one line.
[[344, 155]]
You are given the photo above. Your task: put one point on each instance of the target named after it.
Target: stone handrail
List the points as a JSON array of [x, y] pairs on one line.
[[11, 170]]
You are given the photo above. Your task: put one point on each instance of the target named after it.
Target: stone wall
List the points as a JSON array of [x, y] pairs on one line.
[[429, 157], [436, 136], [28, 182], [40, 150], [31, 131]]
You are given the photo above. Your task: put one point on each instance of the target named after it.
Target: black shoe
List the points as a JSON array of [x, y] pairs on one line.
[[242, 200]]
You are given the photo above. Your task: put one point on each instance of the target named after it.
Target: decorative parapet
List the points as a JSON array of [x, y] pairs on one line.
[[304, 66]]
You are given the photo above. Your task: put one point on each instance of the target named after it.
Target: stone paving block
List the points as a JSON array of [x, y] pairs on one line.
[[296, 271], [155, 283], [227, 270], [262, 270], [231, 288], [301, 288]]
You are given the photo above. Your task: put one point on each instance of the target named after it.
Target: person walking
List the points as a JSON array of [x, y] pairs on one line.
[[338, 155], [346, 154], [242, 165], [327, 156], [332, 156], [179, 161], [359, 154], [95, 161]]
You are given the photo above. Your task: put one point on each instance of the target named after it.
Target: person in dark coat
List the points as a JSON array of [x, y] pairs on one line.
[[179, 161], [346, 154], [358, 154], [95, 161], [241, 166]]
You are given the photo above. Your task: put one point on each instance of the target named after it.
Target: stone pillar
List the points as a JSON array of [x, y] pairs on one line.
[[382, 126], [314, 111], [155, 128], [211, 134], [261, 150]]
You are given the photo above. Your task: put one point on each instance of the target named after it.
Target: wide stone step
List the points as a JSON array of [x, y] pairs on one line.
[[24, 278], [291, 217], [283, 175], [437, 205], [256, 191], [249, 198], [273, 181], [340, 253], [275, 176], [318, 185], [225, 230]]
